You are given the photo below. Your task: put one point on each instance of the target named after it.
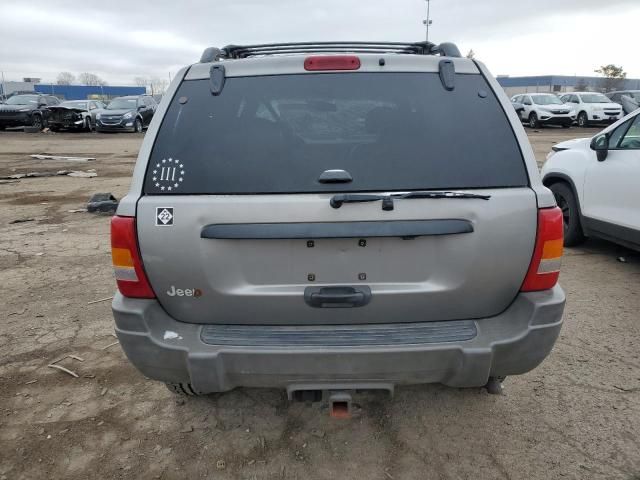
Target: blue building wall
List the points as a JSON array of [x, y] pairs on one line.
[[82, 92]]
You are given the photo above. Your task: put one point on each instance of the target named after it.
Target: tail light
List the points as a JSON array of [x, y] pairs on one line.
[[130, 276], [544, 269], [332, 62]]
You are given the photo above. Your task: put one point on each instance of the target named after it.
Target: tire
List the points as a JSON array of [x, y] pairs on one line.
[[137, 126], [184, 389], [533, 120], [566, 200], [54, 129], [36, 122], [87, 124], [583, 120]]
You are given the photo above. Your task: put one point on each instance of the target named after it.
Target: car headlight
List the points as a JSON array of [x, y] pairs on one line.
[[127, 115], [98, 115]]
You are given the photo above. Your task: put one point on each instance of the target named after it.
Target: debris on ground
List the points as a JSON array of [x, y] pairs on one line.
[[622, 259], [102, 202], [21, 220], [101, 300], [44, 156], [80, 174], [63, 369], [110, 345], [68, 173]]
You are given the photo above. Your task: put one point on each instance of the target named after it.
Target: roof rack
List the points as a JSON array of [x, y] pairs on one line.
[[213, 54]]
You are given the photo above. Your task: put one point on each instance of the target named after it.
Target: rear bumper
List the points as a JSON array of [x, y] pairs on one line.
[[514, 342]]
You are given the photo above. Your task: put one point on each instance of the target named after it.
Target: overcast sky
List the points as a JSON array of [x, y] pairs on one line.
[[122, 39]]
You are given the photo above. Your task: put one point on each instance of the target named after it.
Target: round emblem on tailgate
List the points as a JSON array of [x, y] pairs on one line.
[[168, 174]]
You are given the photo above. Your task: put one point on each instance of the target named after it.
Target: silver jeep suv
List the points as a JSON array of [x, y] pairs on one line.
[[327, 217]]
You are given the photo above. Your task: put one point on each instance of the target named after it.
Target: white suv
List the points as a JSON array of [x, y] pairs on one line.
[[595, 182], [544, 109], [593, 108]]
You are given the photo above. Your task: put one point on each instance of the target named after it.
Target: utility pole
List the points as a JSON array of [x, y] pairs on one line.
[[428, 21]]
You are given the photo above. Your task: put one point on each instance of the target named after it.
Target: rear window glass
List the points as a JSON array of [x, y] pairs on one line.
[[390, 131]]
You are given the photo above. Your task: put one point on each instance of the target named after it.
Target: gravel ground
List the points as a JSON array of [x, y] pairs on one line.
[[577, 416]]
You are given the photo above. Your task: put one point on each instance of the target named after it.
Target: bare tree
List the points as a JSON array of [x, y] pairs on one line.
[[158, 85], [91, 79], [65, 78], [613, 77], [581, 85], [141, 81]]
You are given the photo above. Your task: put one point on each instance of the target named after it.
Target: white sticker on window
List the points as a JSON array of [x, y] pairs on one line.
[[168, 174]]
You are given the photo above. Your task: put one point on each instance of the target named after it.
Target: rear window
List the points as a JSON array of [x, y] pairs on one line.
[[390, 131]]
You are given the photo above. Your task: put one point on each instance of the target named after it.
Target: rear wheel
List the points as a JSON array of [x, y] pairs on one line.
[[566, 200], [184, 389], [533, 120], [583, 120]]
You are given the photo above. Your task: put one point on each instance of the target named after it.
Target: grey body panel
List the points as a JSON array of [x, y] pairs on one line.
[[514, 342], [431, 278]]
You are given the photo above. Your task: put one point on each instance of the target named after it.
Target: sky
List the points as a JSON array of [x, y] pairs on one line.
[[120, 40]]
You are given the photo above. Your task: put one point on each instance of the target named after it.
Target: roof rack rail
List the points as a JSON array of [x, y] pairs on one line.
[[212, 54]]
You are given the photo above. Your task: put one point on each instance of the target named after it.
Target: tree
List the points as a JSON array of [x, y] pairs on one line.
[[581, 85], [471, 54], [65, 78], [91, 79], [613, 76], [158, 85]]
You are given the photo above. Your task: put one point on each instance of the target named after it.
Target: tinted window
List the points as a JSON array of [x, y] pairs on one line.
[[631, 139], [390, 131]]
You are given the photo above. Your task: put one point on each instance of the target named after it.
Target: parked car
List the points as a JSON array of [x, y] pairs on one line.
[[26, 110], [318, 223], [628, 99], [544, 109], [131, 113], [593, 108], [75, 114], [595, 182]]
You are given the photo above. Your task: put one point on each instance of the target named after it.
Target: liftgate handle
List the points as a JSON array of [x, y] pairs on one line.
[[337, 297]]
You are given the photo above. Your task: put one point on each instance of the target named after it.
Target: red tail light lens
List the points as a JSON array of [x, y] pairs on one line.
[[332, 62], [127, 265], [544, 269]]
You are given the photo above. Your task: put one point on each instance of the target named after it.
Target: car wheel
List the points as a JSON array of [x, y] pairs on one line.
[[184, 389], [533, 120], [137, 126], [87, 124], [566, 200], [583, 120], [36, 122]]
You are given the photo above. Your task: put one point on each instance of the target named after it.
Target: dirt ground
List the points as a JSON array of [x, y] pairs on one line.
[[576, 417]]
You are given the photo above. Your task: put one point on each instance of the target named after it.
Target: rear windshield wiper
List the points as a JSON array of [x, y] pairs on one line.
[[387, 200]]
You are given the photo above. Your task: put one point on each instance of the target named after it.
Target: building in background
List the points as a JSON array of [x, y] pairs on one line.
[[69, 92], [559, 84]]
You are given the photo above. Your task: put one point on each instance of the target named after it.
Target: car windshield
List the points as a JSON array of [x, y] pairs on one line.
[[546, 100], [122, 103], [594, 98], [22, 100], [82, 105]]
